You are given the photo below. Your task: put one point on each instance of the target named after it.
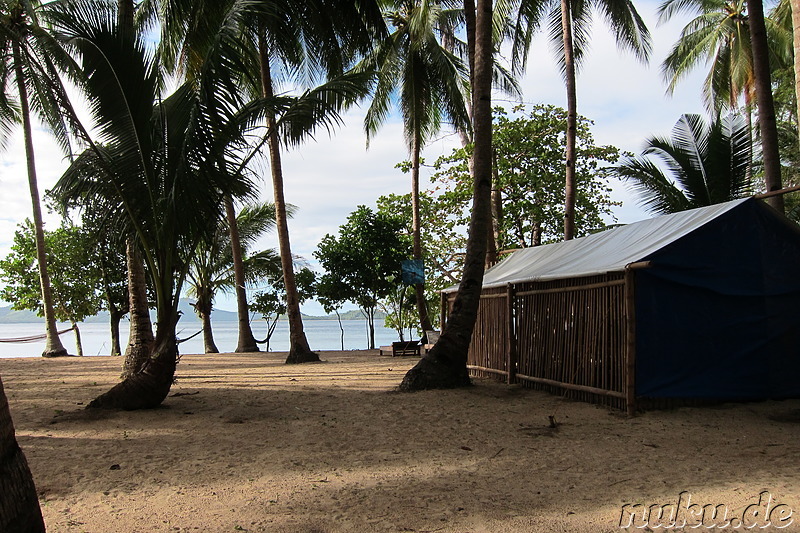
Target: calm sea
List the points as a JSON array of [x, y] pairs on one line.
[[321, 334]]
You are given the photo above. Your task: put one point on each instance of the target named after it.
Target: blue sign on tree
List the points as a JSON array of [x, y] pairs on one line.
[[413, 271]]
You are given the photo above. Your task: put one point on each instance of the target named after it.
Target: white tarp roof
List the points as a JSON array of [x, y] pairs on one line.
[[607, 251]]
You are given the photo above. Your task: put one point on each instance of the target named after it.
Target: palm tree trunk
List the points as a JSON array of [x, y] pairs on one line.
[[445, 366], [766, 105], [78, 343], [572, 119], [246, 342], [115, 316], [140, 337], [147, 388], [299, 349], [204, 307], [19, 505], [796, 44], [416, 235], [53, 346]]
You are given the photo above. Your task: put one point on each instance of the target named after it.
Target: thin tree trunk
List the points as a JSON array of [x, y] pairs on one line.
[[114, 319], [494, 230], [204, 308], [796, 43], [140, 336], [766, 105], [246, 342], [19, 505], [341, 328], [78, 343], [416, 235], [299, 349], [572, 119], [445, 366], [53, 346]]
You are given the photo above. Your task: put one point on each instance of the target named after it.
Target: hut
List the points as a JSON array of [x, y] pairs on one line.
[[694, 306]]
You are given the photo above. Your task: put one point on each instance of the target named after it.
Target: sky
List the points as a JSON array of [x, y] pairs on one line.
[[327, 178]]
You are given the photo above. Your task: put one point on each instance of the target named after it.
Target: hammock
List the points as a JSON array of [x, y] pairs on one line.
[[34, 338], [187, 338]]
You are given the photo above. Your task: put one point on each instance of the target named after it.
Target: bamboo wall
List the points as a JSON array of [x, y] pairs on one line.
[[567, 336]]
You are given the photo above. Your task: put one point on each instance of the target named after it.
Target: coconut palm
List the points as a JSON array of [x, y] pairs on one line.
[[301, 40], [165, 165], [700, 165], [29, 74], [211, 270], [445, 366], [570, 31], [431, 85], [19, 504]]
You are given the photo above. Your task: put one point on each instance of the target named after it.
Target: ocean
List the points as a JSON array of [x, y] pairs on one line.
[[96, 338]]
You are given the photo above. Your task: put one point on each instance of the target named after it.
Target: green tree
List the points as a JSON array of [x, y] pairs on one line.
[[32, 59], [362, 263], [75, 276], [431, 85], [212, 268], [701, 164], [19, 504]]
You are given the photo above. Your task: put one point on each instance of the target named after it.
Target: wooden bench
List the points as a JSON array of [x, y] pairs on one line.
[[402, 348]]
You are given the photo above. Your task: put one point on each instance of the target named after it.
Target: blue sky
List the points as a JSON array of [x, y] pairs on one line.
[[329, 177]]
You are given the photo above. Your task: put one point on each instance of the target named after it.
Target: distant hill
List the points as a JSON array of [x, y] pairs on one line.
[[10, 316]]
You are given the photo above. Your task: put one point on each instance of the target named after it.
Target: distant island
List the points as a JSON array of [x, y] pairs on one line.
[[10, 316]]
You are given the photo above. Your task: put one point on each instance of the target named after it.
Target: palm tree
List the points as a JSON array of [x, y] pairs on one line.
[[767, 122], [700, 165], [432, 84], [445, 366], [164, 166], [212, 266], [157, 170], [30, 70], [307, 39], [570, 22], [19, 504]]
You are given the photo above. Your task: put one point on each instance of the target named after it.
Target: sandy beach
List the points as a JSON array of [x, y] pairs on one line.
[[247, 443]]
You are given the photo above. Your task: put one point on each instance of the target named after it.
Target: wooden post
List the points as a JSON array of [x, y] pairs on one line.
[[443, 312], [512, 335], [630, 342]]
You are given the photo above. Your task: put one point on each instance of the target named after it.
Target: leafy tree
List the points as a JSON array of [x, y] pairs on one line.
[[363, 262], [74, 275], [529, 176], [701, 164], [432, 85], [271, 302], [19, 504], [32, 59], [212, 267]]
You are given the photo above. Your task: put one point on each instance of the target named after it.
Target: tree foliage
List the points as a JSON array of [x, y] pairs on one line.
[[701, 164], [363, 262], [528, 146]]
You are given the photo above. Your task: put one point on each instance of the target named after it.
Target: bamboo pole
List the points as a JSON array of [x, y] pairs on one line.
[[589, 286], [572, 386], [511, 331], [630, 343]]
